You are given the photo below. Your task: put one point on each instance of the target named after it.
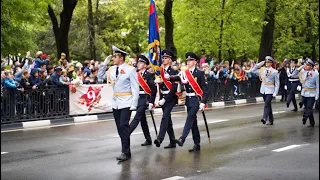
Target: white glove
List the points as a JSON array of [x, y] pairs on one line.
[[274, 94], [161, 102], [261, 63], [201, 106], [299, 69], [157, 80], [107, 60], [167, 76], [299, 88], [285, 87], [150, 106], [132, 108]]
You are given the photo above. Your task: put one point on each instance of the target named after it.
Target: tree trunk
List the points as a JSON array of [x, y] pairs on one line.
[[169, 27], [267, 30], [61, 32], [221, 32], [91, 31], [96, 22]]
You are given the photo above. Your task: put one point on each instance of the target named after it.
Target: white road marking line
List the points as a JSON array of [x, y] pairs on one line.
[[132, 134], [4, 153], [286, 148], [174, 178], [278, 112], [222, 120]]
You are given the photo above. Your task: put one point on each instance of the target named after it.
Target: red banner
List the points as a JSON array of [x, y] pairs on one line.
[[143, 84], [194, 84]]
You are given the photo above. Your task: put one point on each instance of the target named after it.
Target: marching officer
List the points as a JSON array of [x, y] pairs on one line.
[[269, 86], [147, 95], [293, 84], [309, 79], [168, 99], [125, 97], [196, 90]]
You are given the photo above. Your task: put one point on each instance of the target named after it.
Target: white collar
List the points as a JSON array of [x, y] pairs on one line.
[[142, 72], [167, 68], [121, 66], [192, 69]]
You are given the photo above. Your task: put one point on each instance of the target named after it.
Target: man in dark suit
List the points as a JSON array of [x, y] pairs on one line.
[[147, 95], [196, 98], [168, 99], [293, 83]]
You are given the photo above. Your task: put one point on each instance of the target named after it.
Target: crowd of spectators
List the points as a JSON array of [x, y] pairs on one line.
[[228, 79]]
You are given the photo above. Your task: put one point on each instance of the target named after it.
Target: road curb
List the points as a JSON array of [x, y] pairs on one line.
[[88, 118]]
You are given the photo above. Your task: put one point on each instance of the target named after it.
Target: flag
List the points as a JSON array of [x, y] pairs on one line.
[[154, 39]]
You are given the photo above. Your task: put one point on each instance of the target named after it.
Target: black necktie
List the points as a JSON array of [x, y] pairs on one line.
[[117, 71], [307, 74]]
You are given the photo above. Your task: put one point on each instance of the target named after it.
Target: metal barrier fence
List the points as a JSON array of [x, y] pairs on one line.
[[44, 103], [52, 102], [226, 90]]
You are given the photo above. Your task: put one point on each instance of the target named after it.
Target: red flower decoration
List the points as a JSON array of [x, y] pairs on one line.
[[73, 89], [122, 71]]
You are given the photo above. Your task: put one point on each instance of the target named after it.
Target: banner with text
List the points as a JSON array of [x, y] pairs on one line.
[[97, 98], [90, 99]]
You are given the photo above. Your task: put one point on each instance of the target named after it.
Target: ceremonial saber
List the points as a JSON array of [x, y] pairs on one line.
[[154, 123], [205, 121]]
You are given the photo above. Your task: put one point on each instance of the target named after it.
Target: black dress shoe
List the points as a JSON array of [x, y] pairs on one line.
[[300, 104], [124, 157], [147, 143], [269, 123], [263, 121], [304, 120], [171, 145], [295, 110], [195, 148], [157, 142], [179, 142], [310, 126], [288, 105]]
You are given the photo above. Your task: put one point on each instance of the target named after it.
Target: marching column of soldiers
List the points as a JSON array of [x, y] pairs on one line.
[[134, 89]]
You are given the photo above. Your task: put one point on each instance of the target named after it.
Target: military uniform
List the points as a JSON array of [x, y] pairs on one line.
[[269, 88], [309, 92], [171, 99], [145, 98], [125, 99], [192, 102], [293, 83]]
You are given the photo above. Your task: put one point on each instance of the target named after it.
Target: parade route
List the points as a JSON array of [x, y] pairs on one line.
[[242, 148]]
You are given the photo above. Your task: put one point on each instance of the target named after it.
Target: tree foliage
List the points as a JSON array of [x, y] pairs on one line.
[[25, 25]]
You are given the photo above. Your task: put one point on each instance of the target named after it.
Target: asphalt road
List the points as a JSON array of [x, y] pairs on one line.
[[242, 148]]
